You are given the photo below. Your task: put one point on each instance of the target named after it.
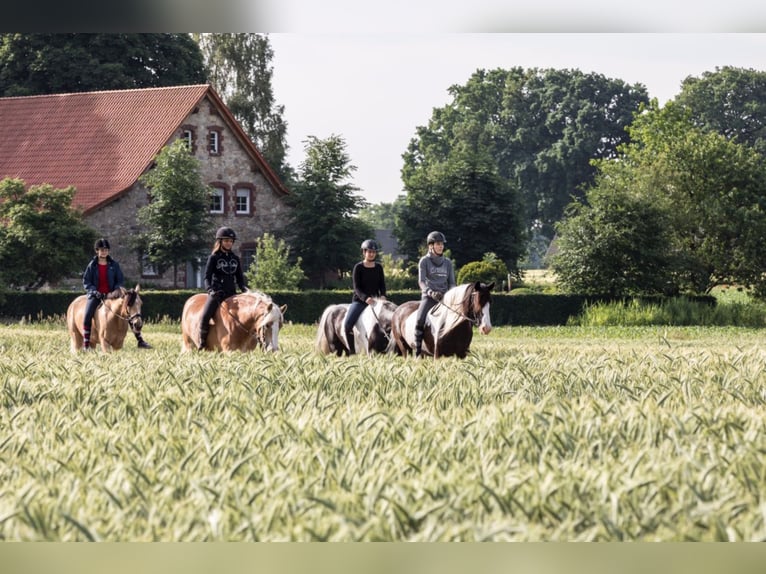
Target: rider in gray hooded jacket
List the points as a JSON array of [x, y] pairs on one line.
[[436, 276]]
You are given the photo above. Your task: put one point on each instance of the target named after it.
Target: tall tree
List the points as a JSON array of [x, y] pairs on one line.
[[541, 127], [730, 101], [325, 230], [239, 66], [177, 218], [702, 195], [465, 198], [42, 237], [32, 64]]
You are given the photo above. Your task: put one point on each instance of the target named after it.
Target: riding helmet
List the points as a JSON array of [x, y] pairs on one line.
[[370, 244], [225, 233], [435, 236], [101, 244]]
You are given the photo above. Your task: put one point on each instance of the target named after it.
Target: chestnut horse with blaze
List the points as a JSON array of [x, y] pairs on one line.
[[241, 323]]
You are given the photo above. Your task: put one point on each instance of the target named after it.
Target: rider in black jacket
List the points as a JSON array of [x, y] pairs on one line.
[[223, 274]]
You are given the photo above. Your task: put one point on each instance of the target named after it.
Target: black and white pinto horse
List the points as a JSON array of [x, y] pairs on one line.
[[448, 329], [372, 331]]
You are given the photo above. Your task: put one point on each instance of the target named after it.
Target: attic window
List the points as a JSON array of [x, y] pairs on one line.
[[188, 137], [214, 146]]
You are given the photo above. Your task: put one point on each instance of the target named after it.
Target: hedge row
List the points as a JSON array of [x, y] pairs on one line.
[[307, 306]]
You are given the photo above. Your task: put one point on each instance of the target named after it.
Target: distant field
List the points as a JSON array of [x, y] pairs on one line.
[[564, 433]]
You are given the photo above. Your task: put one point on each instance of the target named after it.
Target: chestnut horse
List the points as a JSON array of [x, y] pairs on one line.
[[110, 322], [449, 325], [372, 331], [241, 323]]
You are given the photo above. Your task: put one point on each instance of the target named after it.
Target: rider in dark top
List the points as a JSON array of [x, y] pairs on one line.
[[223, 274], [368, 281]]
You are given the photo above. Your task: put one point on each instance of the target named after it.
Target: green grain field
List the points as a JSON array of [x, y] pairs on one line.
[[541, 434]]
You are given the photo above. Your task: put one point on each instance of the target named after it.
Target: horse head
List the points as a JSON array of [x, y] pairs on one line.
[[478, 299], [131, 308], [266, 319]]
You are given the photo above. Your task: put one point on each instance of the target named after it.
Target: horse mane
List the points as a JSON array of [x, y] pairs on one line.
[[260, 294]]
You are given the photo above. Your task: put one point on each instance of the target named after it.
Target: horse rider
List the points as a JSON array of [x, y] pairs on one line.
[[102, 279], [369, 281], [436, 276], [223, 274]]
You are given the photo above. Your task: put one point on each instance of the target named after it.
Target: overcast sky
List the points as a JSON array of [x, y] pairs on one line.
[[374, 89]]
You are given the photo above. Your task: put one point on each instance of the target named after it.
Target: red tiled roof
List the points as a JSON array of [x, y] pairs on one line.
[[99, 142]]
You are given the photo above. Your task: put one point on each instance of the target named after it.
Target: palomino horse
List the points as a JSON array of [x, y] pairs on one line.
[[372, 331], [110, 322], [241, 323], [449, 325]]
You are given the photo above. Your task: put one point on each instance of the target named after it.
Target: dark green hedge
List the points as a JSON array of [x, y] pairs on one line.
[[307, 306]]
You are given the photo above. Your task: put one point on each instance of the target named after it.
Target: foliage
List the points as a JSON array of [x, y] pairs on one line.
[[271, 269], [177, 223], [380, 215], [542, 434], [465, 198], [715, 190], [618, 243], [42, 237], [324, 229], [489, 269], [239, 67], [398, 272], [672, 312], [540, 127], [729, 101], [32, 64]]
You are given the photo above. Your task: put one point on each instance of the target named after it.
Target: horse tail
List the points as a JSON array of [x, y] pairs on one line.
[[322, 343]]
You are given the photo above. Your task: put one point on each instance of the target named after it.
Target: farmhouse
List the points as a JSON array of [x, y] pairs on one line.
[[102, 142]]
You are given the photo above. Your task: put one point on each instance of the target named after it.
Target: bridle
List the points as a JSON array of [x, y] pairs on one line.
[[259, 332], [474, 321], [377, 320], [131, 319]]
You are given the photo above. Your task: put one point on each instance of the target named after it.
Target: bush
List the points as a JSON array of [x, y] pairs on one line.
[[487, 270]]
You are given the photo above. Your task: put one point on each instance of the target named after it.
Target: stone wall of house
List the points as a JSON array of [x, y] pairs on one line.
[[230, 169]]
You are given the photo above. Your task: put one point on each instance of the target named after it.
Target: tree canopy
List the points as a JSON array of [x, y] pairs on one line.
[[707, 192], [541, 128], [239, 67], [33, 64], [42, 237], [176, 221], [325, 231]]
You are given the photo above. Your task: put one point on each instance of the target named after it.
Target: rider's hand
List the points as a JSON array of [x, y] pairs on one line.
[[436, 295]]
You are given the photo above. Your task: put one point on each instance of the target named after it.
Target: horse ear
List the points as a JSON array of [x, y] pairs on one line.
[[123, 291], [490, 286], [283, 308], [138, 287]]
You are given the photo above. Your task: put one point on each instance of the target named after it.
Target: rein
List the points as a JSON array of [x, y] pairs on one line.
[[130, 318], [257, 332], [475, 321], [377, 320]]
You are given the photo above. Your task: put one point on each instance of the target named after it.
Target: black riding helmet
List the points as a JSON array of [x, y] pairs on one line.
[[101, 244], [435, 236], [370, 244], [225, 233]]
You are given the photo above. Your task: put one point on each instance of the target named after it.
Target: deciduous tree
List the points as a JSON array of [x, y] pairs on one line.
[[42, 237], [177, 223]]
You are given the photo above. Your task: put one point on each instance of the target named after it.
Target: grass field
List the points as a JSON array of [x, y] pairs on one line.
[[567, 433]]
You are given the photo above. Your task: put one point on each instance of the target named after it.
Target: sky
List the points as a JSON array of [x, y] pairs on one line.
[[375, 88]]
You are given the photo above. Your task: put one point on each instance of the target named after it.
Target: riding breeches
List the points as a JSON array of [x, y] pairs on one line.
[[426, 304]]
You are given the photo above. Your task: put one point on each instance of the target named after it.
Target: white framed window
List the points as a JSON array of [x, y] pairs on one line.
[[214, 141], [243, 201], [216, 200], [188, 138]]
